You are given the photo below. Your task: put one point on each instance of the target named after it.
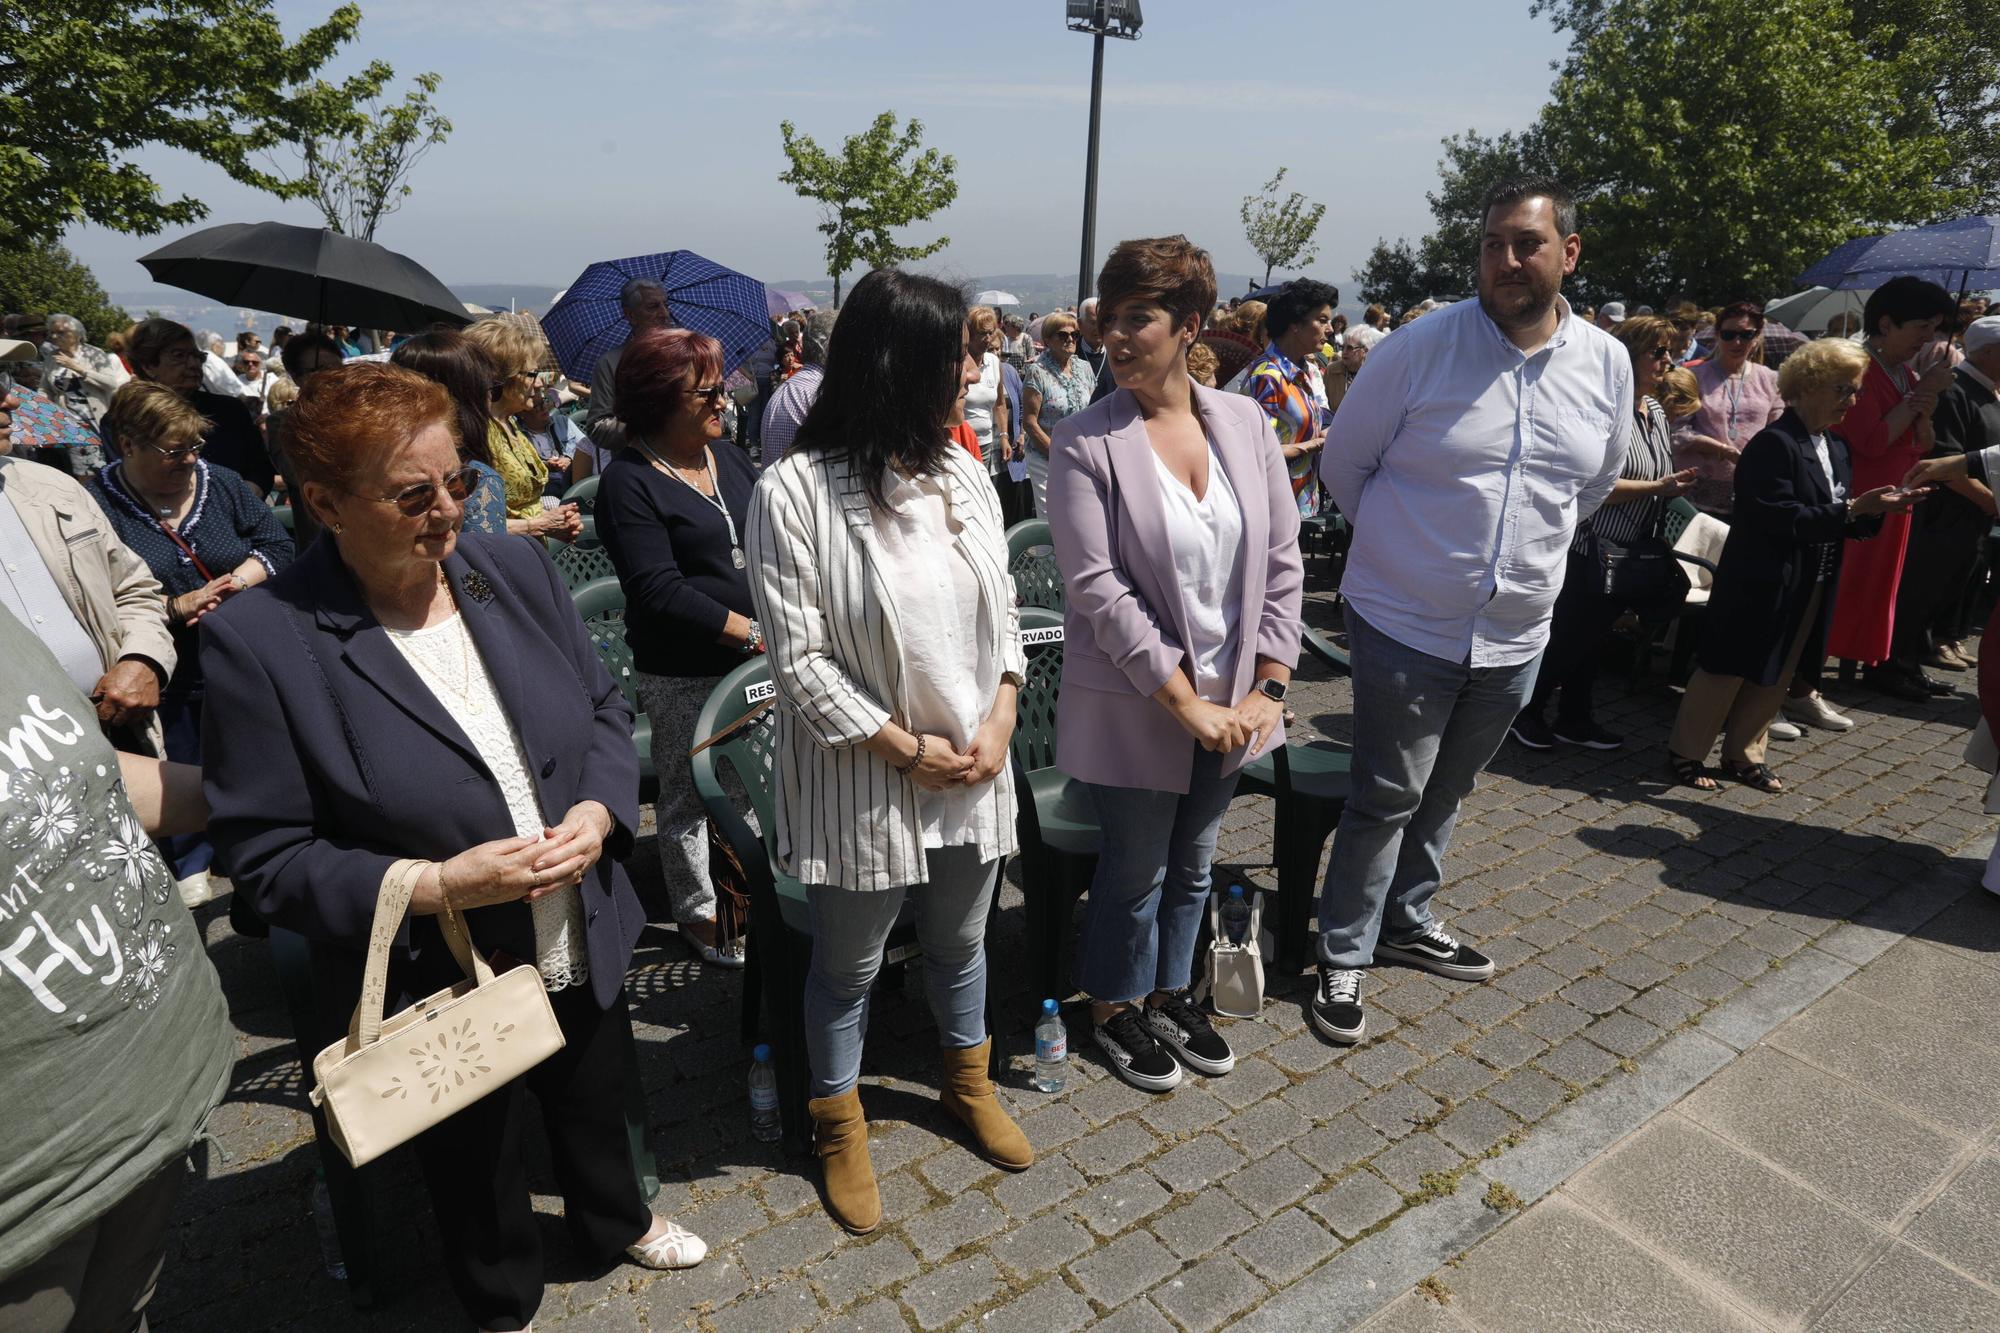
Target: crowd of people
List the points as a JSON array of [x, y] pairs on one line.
[[396, 683]]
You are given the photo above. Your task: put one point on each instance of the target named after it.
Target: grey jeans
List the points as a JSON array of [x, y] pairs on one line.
[[850, 928], [672, 703]]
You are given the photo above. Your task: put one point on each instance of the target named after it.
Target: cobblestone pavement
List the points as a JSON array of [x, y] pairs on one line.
[[1620, 912]]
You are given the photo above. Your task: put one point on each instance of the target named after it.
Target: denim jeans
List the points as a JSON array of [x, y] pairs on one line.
[[1423, 728], [850, 928], [1151, 886]]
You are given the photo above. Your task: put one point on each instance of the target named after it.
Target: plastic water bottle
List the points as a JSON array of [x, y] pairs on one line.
[[1236, 915], [1051, 1050], [763, 1097], [329, 1234]]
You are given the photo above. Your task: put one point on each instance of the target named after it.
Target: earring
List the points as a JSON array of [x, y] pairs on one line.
[[336, 529]]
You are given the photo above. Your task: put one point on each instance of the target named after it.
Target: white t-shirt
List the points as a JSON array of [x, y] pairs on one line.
[[979, 401], [1207, 540]]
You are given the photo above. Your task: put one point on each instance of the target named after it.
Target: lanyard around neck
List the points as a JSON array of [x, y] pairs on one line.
[[715, 480]]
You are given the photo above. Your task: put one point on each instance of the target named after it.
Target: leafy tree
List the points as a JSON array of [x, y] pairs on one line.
[[1398, 275], [1721, 148], [85, 84], [1942, 56], [866, 192], [356, 161], [1281, 230], [45, 278]]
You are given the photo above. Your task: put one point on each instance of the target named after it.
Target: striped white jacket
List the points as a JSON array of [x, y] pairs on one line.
[[844, 816]]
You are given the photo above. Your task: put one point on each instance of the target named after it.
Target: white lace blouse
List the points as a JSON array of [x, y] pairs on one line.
[[447, 661]]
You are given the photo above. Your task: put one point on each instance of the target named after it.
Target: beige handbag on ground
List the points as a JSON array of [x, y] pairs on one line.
[[388, 1082], [1234, 981]]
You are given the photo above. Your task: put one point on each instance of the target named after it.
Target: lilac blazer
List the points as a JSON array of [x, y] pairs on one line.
[[1125, 628]]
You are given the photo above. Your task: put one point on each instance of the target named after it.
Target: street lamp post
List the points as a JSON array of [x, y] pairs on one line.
[[1101, 19]]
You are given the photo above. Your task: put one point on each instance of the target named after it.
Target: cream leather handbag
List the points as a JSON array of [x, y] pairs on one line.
[[388, 1082]]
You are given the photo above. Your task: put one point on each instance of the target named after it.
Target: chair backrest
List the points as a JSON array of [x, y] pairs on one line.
[[607, 635], [1034, 741], [1031, 559], [1680, 512], [580, 565], [752, 752], [584, 494], [1703, 537], [599, 599]]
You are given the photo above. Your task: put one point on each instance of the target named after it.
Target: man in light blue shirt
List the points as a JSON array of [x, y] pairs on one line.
[[1464, 454]]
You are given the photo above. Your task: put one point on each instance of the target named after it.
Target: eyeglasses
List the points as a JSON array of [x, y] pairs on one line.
[[1662, 354], [1060, 335], [186, 453], [1737, 335], [713, 393], [1848, 391], [415, 501]]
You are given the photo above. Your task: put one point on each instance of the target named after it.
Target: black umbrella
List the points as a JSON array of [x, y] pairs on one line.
[[308, 272]]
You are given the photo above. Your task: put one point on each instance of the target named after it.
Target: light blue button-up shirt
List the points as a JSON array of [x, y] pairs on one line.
[[1465, 466]]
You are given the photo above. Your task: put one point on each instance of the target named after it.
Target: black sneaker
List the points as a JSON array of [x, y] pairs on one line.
[[1531, 731], [1587, 734], [1185, 1030], [1436, 951], [1336, 1005], [1135, 1057]]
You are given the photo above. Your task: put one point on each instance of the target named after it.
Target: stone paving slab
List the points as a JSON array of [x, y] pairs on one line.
[[1646, 935]]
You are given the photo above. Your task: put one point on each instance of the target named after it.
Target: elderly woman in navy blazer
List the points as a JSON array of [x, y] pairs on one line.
[[403, 690], [1177, 537]]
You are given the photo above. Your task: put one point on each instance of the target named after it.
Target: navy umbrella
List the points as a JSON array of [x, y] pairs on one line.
[[701, 295], [1960, 255], [309, 272]]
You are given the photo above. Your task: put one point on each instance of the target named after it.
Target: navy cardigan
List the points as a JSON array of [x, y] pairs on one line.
[[326, 758]]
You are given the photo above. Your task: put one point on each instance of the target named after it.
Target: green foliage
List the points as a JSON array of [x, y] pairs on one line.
[[1281, 230], [1398, 275], [1721, 148], [87, 83], [357, 157], [44, 278], [867, 191]]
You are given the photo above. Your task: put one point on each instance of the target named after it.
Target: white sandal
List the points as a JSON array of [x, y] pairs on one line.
[[676, 1247], [713, 956]]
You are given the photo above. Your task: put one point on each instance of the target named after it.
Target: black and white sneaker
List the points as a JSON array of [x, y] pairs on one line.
[[1530, 731], [1587, 734], [1335, 1008], [1185, 1030], [1127, 1042], [1436, 950]]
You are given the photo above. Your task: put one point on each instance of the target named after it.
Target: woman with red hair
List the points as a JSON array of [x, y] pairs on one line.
[[672, 511]]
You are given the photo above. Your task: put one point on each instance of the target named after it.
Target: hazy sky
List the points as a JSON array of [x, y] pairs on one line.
[[601, 128]]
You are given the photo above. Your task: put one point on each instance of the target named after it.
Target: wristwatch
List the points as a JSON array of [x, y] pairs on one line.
[[1274, 690], [755, 643]]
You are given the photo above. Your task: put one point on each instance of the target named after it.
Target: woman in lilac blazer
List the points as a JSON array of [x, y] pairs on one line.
[[1177, 537]]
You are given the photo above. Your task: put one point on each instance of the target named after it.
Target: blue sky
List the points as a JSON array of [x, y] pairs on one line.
[[601, 128]]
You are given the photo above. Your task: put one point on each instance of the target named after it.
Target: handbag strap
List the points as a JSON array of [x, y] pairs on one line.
[[391, 903]]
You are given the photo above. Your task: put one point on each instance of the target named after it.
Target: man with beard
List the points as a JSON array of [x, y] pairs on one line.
[[1486, 433]]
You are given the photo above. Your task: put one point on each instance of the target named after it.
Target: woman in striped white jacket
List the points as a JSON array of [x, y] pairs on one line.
[[878, 567]]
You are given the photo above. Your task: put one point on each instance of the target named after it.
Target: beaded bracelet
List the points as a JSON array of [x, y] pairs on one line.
[[916, 758]]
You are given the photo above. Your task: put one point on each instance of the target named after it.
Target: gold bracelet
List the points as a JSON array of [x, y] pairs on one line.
[[444, 896]]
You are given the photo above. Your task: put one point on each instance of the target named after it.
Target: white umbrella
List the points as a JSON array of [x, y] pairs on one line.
[[1811, 310], [994, 296]]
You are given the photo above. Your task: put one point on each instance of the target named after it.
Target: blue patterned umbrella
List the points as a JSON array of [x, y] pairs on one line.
[[1960, 255], [701, 294]]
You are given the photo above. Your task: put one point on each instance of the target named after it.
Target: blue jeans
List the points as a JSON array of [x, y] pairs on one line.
[[1423, 728], [850, 928], [1151, 886]]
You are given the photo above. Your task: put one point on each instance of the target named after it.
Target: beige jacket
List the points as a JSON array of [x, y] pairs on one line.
[[112, 593]]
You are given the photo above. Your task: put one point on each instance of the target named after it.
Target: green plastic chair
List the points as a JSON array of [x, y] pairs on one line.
[[778, 944], [1310, 782], [1057, 822], [603, 612], [286, 518], [584, 494], [1031, 559], [581, 564]]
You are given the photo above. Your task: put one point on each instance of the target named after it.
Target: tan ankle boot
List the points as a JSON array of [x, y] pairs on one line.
[[968, 1094], [841, 1137]]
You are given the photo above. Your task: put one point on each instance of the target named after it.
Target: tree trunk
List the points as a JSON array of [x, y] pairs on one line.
[[1267, 276]]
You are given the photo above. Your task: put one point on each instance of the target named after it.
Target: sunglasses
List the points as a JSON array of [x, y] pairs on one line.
[[713, 393], [416, 501], [1848, 391], [187, 453], [1663, 353], [1737, 335], [1062, 335]]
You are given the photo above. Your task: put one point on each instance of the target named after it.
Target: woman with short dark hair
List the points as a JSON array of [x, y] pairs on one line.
[[165, 353], [672, 510], [1177, 536], [878, 567], [1286, 381], [1888, 428]]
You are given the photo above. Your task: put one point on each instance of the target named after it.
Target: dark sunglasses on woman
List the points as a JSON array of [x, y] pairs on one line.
[[415, 501]]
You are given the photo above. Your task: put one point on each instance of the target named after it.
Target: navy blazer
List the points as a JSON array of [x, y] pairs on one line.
[[326, 758]]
